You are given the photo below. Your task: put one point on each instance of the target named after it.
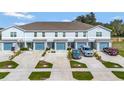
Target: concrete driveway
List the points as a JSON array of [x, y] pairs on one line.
[[98, 70], [61, 67], [5, 55], [116, 59], [27, 62]]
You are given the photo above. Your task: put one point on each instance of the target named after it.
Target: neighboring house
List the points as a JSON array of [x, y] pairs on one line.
[[55, 35]]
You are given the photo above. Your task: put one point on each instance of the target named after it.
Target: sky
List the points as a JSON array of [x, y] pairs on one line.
[[20, 18]]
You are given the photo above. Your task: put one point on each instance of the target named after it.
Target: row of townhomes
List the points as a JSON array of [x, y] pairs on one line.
[[55, 35]]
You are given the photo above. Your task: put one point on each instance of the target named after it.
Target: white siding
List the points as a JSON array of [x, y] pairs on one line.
[[6, 33], [70, 34], [105, 33]]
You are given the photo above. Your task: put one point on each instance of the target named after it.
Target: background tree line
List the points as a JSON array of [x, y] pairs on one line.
[[117, 25]]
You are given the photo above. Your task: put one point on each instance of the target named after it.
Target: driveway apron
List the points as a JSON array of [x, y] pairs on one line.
[[97, 69], [116, 59], [27, 61], [61, 68]]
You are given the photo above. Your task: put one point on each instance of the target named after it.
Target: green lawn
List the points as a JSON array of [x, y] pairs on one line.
[[39, 75], [3, 74], [119, 74], [44, 64], [8, 65], [111, 65], [119, 46], [80, 75], [76, 64]]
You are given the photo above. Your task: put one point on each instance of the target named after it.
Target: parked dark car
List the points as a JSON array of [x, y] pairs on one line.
[[76, 54], [111, 51]]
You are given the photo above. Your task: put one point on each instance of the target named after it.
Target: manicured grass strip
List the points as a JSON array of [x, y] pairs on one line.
[[44, 64], [121, 52], [3, 74], [8, 65], [80, 75], [119, 74], [39, 75], [76, 64], [120, 46], [111, 65]]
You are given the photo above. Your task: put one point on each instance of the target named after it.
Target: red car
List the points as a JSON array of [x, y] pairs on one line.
[[111, 51]]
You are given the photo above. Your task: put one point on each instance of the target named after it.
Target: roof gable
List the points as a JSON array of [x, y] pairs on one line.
[[16, 27]]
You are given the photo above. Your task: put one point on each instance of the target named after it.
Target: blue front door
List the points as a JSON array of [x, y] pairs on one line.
[[60, 46], [39, 46], [7, 46]]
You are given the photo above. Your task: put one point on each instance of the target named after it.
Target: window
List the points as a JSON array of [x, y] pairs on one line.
[[56, 34], [43, 34], [84, 34], [35, 34], [13, 34], [98, 34], [76, 34], [63, 34]]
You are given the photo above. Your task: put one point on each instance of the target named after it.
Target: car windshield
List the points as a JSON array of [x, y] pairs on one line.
[[76, 51], [88, 49]]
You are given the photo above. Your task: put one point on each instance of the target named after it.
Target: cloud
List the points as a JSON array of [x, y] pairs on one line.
[[117, 17], [19, 23], [66, 20], [19, 15]]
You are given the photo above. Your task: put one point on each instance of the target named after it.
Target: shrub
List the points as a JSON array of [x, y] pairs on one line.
[[47, 49], [69, 56], [24, 49], [44, 53], [15, 54], [68, 48], [98, 57]]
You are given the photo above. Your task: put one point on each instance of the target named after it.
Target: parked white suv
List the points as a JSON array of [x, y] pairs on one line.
[[87, 51]]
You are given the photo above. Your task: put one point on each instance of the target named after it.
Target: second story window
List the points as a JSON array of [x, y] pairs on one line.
[[98, 34], [56, 34], [13, 34], [84, 34], [63, 34], [76, 34], [35, 34], [43, 34]]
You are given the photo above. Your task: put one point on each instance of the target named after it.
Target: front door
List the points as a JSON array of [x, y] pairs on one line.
[[50, 45], [30, 45], [91, 44], [71, 45]]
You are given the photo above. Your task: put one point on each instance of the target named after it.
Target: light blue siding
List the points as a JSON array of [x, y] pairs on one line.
[[39, 46], [7, 46], [60, 46], [104, 45]]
